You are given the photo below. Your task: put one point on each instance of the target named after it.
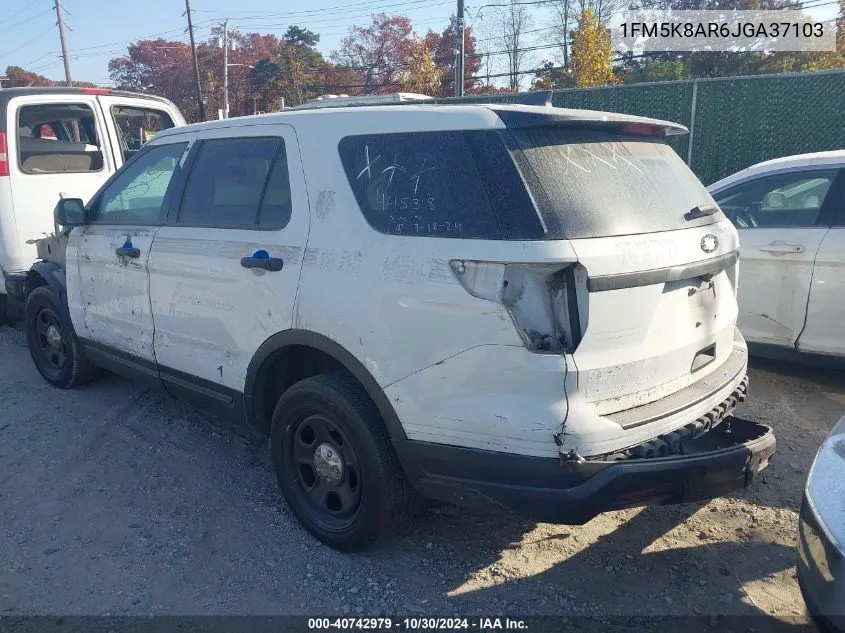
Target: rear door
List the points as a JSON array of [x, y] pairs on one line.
[[56, 148], [824, 332], [112, 254], [132, 122], [782, 219], [225, 269]]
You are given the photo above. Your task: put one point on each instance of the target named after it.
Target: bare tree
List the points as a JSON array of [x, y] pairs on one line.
[[562, 24], [566, 13], [513, 22]]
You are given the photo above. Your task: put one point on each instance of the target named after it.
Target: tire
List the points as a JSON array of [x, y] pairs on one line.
[[335, 464], [53, 344]]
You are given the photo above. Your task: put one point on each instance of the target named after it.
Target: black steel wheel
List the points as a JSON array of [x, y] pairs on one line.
[[335, 464], [52, 343], [326, 470]]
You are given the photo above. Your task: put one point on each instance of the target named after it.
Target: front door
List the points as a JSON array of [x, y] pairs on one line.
[[112, 257], [782, 220], [225, 269]]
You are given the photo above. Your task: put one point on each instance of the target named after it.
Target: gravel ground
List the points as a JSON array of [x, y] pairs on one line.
[[120, 501]]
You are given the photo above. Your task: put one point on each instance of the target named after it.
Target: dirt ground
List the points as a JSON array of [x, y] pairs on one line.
[[115, 500]]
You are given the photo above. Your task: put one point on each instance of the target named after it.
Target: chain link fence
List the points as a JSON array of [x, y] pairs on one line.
[[734, 122]]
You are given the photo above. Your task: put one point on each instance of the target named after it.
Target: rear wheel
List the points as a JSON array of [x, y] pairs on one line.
[[335, 464], [52, 343]]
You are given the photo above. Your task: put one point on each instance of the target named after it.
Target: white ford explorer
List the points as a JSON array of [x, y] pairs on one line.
[[519, 305]]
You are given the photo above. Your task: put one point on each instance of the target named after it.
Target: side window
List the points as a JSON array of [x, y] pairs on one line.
[[135, 126], [424, 183], [792, 199], [136, 195], [58, 138], [227, 180], [276, 206]]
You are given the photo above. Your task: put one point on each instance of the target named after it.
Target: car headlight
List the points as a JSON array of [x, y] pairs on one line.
[[825, 489]]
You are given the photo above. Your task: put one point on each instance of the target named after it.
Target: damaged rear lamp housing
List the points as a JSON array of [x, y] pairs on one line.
[[541, 299]]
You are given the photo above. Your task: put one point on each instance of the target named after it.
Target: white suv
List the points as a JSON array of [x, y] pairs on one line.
[[522, 305]]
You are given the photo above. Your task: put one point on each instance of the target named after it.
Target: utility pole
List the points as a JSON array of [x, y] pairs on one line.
[[459, 51], [225, 69], [65, 56], [196, 64]]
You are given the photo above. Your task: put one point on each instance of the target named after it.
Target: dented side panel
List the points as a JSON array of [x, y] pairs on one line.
[[211, 313]]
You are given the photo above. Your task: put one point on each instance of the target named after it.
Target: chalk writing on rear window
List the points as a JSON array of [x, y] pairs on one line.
[[423, 183]]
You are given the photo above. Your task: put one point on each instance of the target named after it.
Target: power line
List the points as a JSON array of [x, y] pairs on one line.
[[27, 21], [19, 11], [344, 8], [28, 43]]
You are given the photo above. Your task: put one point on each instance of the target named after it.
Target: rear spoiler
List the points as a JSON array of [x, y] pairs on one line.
[[521, 117]]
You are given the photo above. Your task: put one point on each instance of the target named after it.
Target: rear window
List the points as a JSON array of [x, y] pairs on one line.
[[598, 183], [420, 183]]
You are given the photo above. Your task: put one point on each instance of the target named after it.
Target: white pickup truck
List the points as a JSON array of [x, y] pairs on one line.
[[62, 143]]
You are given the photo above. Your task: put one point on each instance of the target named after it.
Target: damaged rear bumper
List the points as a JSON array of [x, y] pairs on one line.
[[573, 492]]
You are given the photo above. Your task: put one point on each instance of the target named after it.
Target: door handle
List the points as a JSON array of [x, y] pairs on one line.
[[128, 251], [262, 259], [782, 247]]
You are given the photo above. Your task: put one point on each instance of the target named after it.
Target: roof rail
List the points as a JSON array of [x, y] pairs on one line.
[[340, 101]]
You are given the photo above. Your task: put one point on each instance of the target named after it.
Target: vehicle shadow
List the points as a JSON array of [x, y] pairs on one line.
[[608, 573]]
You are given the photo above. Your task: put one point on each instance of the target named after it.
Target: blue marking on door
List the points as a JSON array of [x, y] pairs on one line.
[[220, 369], [127, 243], [262, 254]]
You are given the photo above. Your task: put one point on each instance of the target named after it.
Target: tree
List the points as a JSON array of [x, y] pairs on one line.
[[552, 77], [443, 47], [379, 51], [512, 24], [17, 77], [591, 53], [421, 75], [159, 67]]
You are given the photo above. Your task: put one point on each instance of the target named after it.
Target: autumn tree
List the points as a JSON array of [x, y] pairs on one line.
[[421, 74], [17, 77], [442, 45], [379, 52], [592, 55]]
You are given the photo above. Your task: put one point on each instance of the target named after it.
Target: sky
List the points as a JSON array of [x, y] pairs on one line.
[[99, 30]]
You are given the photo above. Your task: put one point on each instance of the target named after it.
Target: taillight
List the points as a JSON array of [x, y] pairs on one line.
[[4, 157], [542, 299]]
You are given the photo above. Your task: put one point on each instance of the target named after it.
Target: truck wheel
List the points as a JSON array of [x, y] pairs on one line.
[[335, 464], [52, 343]]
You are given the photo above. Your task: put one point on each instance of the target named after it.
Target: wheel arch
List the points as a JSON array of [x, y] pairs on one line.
[[51, 275], [259, 368]]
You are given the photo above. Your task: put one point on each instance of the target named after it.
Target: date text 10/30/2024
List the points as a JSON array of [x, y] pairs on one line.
[[417, 624]]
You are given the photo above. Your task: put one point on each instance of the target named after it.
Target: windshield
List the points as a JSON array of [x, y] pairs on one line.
[[595, 183]]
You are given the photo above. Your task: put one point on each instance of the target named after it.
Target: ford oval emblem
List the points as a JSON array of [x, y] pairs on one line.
[[709, 243]]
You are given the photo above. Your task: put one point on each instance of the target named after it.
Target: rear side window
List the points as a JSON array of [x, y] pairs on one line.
[[58, 138], [599, 183], [227, 182], [420, 183]]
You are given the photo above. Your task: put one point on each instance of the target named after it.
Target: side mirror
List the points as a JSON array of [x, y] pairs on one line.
[[70, 212]]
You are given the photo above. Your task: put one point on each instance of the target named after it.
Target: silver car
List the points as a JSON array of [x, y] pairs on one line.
[[821, 535]]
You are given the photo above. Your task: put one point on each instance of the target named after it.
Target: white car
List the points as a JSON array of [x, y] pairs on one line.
[[62, 142], [525, 305], [790, 213]]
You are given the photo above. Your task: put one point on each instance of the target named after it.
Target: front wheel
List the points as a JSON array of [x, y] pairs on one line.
[[52, 343], [335, 464]]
